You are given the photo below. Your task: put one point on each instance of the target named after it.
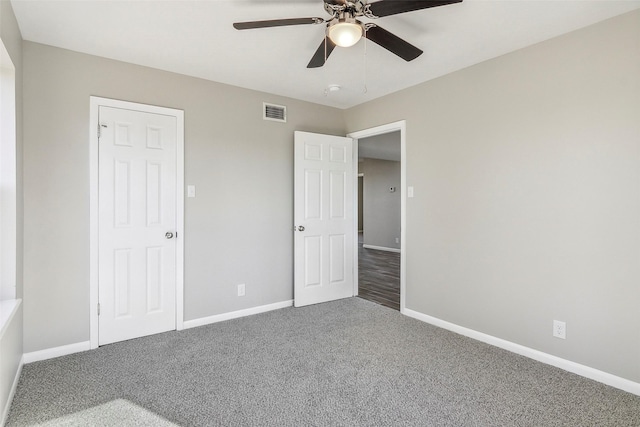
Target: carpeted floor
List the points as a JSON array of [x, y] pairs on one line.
[[116, 412], [344, 363]]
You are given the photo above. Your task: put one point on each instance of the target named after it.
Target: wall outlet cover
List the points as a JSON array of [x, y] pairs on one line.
[[559, 329]]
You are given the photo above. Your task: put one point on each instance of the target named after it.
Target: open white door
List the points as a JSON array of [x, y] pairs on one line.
[[324, 218]]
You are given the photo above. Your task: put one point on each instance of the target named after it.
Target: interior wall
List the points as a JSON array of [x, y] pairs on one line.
[[526, 170], [381, 213], [11, 332], [237, 230], [12, 40], [10, 358]]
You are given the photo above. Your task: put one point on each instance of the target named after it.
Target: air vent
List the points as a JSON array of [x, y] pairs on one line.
[[277, 113]]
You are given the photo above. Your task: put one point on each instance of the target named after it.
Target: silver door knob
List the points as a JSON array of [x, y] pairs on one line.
[[168, 235], [301, 228]]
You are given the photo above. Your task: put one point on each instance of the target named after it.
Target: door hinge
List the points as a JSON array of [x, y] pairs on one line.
[[100, 126], [98, 309]]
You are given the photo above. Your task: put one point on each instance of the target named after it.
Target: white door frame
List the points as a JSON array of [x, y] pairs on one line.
[[95, 102], [380, 130]]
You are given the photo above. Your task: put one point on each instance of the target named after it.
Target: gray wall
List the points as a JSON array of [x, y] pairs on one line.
[[12, 40], [10, 358], [11, 340], [238, 228], [381, 213], [526, 171]]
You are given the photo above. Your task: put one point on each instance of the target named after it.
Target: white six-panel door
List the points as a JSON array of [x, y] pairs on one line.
[[323, 218], [137, 224]]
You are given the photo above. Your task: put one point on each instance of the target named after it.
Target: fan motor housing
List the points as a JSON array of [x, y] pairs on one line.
[[338, 7]]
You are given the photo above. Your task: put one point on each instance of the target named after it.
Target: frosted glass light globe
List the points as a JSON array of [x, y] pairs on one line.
[[345, 34]]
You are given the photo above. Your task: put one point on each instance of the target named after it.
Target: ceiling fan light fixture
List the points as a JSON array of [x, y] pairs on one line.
[[345, 32]]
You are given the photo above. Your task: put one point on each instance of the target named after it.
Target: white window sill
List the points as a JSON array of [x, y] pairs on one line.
[[8, 309]]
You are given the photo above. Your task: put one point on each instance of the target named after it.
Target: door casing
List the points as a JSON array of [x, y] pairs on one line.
[[400, 126], [94, 104]]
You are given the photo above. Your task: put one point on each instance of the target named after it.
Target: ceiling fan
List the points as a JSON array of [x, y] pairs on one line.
[[344, 29]]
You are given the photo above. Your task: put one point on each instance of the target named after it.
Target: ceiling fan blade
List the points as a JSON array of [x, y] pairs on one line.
[[393, 43], [276, 23], [393, 7], [318, 58]]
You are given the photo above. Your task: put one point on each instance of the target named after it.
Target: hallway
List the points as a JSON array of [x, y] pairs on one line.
[[379, 276]]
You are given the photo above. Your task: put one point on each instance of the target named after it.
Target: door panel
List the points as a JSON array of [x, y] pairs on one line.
[[336, 259], [323, 215], [136, 207]]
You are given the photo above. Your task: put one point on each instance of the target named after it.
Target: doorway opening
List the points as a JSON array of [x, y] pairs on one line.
[[379, 213], [379, 156]]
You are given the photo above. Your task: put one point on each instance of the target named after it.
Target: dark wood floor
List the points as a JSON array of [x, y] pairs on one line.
[[379, 276]]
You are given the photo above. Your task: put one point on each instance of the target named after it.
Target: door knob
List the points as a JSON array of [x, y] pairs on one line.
[[301, 228], [168, 235]]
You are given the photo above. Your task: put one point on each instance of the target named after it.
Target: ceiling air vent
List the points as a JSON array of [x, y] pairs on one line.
[[277, 113]]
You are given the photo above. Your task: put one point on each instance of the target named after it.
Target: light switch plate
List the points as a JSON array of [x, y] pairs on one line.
[[191, 191]]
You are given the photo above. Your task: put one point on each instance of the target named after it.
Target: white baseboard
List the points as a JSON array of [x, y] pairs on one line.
[[236, 314], [567, 365], [50, 353], [381, 248], [12, 392], [64, 350]]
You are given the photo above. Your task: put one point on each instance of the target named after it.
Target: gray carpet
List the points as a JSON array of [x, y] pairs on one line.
[[344, 363], [117, 412]]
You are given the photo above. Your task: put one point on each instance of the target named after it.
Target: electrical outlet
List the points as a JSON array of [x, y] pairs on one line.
[[559, 329], [241, 290], [397, 240]]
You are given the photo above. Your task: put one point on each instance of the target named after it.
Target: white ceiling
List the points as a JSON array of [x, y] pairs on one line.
[[196, 38]]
